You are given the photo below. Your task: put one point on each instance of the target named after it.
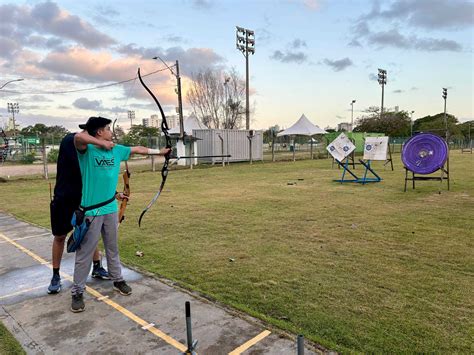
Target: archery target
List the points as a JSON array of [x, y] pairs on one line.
[[375, 148], [341, 147]]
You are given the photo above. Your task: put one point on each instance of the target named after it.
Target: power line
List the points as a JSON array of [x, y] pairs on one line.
[[85, 89]]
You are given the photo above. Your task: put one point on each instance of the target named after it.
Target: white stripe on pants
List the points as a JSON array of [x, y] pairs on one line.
[[107, 225]]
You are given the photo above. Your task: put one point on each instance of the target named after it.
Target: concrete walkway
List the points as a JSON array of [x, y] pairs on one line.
[[150, 321]]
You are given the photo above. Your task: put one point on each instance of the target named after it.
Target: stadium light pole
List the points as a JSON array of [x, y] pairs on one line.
[[8, 82], [445, 96], [245, 42], [352, 114], [131, 117], [382, 79], [13, 108]]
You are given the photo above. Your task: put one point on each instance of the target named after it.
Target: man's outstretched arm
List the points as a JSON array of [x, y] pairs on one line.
[[147, 151]]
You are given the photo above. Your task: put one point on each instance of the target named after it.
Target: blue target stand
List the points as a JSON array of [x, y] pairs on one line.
[[361, 180], [342, 147]]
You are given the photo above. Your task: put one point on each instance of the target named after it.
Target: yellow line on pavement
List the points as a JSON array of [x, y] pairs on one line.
[[29, 237], [250, 343], [103, 299], [20, 292]]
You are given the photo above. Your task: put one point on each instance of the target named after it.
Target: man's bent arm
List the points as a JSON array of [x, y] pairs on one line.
[[82, 139]]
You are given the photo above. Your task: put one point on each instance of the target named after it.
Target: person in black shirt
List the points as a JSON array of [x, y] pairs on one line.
[[67, 197]]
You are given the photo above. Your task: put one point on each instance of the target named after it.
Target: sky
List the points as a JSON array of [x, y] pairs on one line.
[[311, 56]]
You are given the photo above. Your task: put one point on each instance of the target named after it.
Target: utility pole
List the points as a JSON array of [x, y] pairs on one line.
[[13, 108], [352, 114], [411, 123], [382, 78], [445, 96], [180, 105], [131, 117], [178, 91], [246, 44]]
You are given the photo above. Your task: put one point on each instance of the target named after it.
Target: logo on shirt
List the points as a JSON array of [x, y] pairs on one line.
[[104, 162]]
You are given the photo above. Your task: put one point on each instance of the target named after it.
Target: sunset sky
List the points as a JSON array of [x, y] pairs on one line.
[[312, 56]]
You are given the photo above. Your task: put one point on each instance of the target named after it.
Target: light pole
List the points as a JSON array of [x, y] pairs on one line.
[[352, 114], [180, 101], [226, 94], [445, 96], [411, 123], [131, 117], [245, 42], [382, 79], [8, 82], [13, 108]]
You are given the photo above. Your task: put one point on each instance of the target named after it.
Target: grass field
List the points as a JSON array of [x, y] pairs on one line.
[[8, 344], [354, 268]]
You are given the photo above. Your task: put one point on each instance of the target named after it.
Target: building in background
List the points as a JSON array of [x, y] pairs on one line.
[[344, 127], [153, 121]]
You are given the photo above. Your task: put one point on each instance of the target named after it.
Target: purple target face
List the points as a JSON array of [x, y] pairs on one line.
[[424, 153]]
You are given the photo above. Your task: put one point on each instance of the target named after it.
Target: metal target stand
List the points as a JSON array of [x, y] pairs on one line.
[[361, 180]]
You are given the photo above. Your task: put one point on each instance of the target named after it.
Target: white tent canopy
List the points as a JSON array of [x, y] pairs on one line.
[[189, 123], [302, 127]]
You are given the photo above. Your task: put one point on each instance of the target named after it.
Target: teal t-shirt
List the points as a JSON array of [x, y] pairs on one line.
[[100, 170]]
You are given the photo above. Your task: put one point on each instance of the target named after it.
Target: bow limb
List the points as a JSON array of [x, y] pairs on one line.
[[164, 169], [126, 184]]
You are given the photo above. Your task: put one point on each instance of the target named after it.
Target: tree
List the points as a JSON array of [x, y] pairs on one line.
[[41, 130], [140, 135], [218, 98], [437, 125], [394, 124]]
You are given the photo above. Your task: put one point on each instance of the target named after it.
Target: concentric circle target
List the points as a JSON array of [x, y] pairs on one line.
[[424, 153]]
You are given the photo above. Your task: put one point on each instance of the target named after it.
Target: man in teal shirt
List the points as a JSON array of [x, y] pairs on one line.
[[99, 160]]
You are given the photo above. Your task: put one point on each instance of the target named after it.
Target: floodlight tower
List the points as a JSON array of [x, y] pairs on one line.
[[13, 108], [245, 41], [131, 117], [445, 96], [352, 114], [382, 78]]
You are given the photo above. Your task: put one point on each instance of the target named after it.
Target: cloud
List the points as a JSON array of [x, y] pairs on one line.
[[427, 14], [338, 65], [393, 38], [289, 57], [202, 4], [312, 4], [292, 53], [47, 19], [191, 60], [398, 91], [373, 77], [86, 104], [298, 43]]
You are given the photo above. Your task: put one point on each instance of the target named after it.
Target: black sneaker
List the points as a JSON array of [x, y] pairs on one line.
[[100, 273], [77, 304], [123, 288]]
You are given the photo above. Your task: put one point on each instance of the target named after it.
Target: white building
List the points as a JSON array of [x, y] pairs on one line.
[[344, 126]]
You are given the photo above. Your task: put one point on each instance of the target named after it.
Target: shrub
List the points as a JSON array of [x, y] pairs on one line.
[[28, 158], [53, 156]]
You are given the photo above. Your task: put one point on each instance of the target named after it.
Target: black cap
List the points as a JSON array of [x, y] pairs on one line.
[[95, 123]]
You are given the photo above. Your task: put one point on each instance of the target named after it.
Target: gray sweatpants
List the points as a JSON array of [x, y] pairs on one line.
[[107, 225]]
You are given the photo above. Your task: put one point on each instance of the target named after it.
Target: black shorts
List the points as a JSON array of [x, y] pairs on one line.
[[61, 211]]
